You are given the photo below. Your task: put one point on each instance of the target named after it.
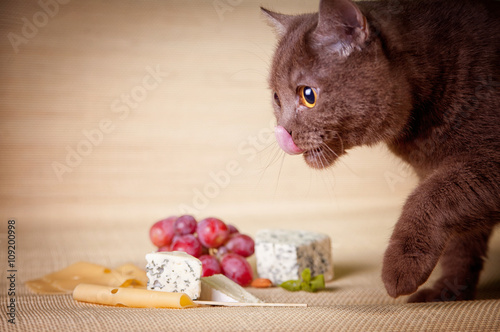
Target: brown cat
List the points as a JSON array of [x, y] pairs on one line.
[[423, 77]]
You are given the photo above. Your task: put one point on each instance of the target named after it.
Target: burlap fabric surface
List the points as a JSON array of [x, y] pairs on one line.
[[355, 300], [115, 114]]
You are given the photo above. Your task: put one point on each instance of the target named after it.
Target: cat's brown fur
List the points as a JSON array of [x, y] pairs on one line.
[[423, 77]]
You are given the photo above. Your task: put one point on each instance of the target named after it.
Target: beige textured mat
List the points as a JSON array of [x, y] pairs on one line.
[[355, 300], [61, 313]]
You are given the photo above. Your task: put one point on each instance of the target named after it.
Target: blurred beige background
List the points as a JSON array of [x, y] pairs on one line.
[[133, 110], [115, 114]]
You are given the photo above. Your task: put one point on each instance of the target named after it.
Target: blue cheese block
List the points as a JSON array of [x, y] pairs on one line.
[[283, 254], [174, 272]]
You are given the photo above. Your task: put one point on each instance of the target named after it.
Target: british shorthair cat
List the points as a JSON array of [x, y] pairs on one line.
[[423, 77]]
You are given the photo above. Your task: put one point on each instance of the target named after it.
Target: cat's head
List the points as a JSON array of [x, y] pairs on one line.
[[333, 88]]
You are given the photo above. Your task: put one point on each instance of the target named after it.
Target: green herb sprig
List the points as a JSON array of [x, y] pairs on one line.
[[307, 283]]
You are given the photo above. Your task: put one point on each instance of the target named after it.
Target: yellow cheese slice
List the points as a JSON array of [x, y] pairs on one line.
[[39, 286], [134, 276], [65, 280], [131, 297]]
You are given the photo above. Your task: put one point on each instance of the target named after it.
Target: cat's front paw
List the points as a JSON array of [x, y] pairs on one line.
[[445, 289], [440, 295], [404, 271], [424, 295]]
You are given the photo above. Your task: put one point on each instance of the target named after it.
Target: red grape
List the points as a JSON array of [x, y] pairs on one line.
[[232, 229], [162, 232], [164, 248], [175, 238], [187, 243], [212, 232], [220, 247], [236, 268], [210, 265], [221, 251], [241, 244], [185, 224]]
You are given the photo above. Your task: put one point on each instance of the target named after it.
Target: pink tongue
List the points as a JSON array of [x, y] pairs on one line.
[[285, 141]]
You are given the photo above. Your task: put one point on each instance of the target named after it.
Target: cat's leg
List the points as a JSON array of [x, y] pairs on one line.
[[454, 199], [462, 262]]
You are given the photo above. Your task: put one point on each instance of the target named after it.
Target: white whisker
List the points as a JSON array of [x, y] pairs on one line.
[[331, 181], [274, 156], [338, 157], [341, 143], [279, 174]]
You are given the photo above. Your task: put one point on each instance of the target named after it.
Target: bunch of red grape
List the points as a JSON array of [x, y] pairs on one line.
[[220, 247]]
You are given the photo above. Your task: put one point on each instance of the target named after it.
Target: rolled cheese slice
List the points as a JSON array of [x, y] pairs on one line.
[[130, 297]]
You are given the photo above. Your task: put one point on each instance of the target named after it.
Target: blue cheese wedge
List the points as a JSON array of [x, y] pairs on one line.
[[283, 254], [174, 272], [222, 289]]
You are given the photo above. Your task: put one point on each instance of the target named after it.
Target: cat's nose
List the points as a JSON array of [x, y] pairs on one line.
[[285, 141]]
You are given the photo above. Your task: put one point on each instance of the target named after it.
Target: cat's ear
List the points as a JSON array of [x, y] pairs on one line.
[[341, 26], [279, 22]]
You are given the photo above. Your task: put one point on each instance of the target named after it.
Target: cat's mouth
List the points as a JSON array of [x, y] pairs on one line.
[[285, 141], [317, 157]]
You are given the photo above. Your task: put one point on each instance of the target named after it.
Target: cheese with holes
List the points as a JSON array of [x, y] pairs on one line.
[[222, 289], [283, 254], [174, 272], [130, 297]]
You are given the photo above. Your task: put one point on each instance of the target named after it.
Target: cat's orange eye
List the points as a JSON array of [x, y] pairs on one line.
[[308, 96]]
